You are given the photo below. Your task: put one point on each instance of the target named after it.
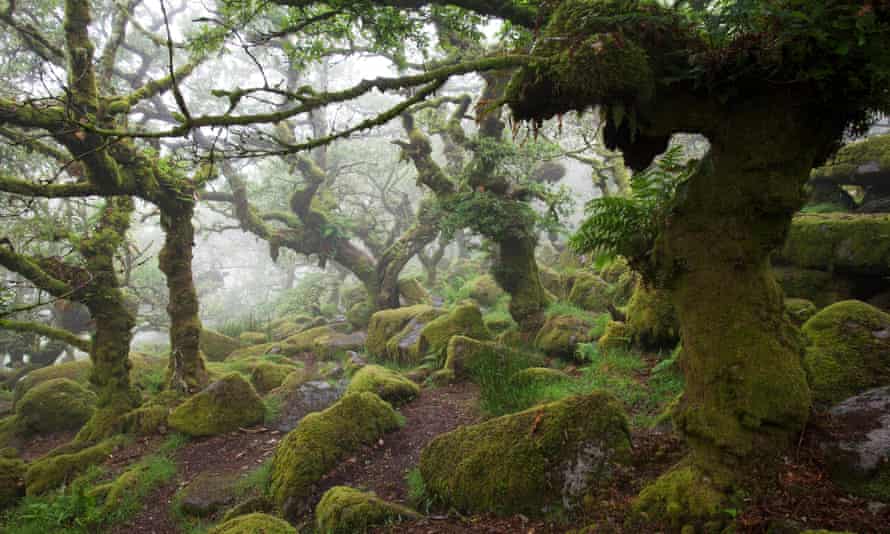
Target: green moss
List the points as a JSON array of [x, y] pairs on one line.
[[215, 346], [823, 288], [386, 383], [124, 495], [267, 376], [344, 510], [484, 290], [53, 471], [561, 335], [146, 420], [616, 337], [681, 496], [464, 320], [225, 405], [254, 524], [800, 310], [412, 292], [529, 462], [387, 323], [590, 292], [252, 338], [848, 350], [12, 481], [553, 282], [306, 341], [321, 441], [537, 376], [617, 268], [498, 321], [839, 242], [54, 405], [871, 152], [359, 315], [78, 371], [254, 351], [623, 289], [651, 319]]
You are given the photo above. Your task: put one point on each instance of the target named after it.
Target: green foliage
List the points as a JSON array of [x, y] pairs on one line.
[[628, 226], [418, 496]]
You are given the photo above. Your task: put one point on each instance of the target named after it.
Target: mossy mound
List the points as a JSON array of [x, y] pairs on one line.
[[552, 281], [223, 406], [484, 290], [839, 242], [530, 462], [289, 325], [53, 471], [820, 287], [216, 346], [616, 337], [78, 371], [561, 335], [848, 350], [386, 383], [464, 320], [590, 292], [253, 338], [55, 405], [412, 292], [344, 510], [254, 524], [800, 310], [12, 481], [617, 268], [321, 441], [350, 295], [465, 354], [534, 376], [267, 376], [336, 345], [387, 323], [359, 315], [499, 323], [146, 420], [255, 351], [652, 320], [683, 497], [306, 340]]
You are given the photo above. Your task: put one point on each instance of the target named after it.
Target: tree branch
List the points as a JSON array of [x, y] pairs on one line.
[[47, 331]]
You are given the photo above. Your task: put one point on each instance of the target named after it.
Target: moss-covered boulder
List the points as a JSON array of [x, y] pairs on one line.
[[531, 462], [54, 470], [590, 292], [839, 242], [208, 493], [306, 340], [321, 441], [561, 335], [387, 323], [390, 385], [266, 376], [55, 405], [225, 405], [465, 354], [12, 481], [616, 337], [651, 319], [78, 371], [484, 290], [333, 346], [344, 510], [359, 315], [820, 287], [538, 376], [848, 350], [216, 347], [351, 295], [412, 292], [800, 310], [254, 524], [253, 338], [552, 281], [464, 320], [497, 323]]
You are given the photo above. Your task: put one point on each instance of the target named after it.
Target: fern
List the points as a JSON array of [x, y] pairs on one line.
[[629, 225]]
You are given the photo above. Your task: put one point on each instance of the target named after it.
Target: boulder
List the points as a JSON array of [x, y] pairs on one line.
[[254, 524], [344, 510], [616, 337], [208, 493], [78, 371], [298, 396], [859, 450], [623, 289], [532, 462], [561, 335], [390, 385], [464, 354], [848, 350], [552, 281], [820, 287], [333, 346], [590, 292], [12, 481], [385, 324], [55, 405], [215, 346], [839, 242], [651, 319], [800, 310], [418, 340], [321, 441], [253, 338], [412, 292], [225, 405], [266, 376], [538, 376], [484, 290]]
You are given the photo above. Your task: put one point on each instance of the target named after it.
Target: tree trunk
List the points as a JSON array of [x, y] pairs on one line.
[[516, 271], [186, 371]]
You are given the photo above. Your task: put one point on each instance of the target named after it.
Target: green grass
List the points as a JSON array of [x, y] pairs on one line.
[[255, 482], [272, 406], [418, 497], [560, 308], [825, 207]]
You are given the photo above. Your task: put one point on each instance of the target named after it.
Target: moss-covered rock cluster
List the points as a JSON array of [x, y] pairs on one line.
[[387, 323], [216, 347], [344, 510], [223, 406], [590, 292], [531, 462], [561, 335], [54, 405], [484, 290], [52, 471]]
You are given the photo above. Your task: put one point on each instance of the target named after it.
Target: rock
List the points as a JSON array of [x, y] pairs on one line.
[[616, 337], [464, 354], [55, 405], [344, 510], [78, 371], [253, 338], [321, 441], [590, 292], [820, 287], [561, 335], [484, 290], [800, 310], [337, 344], [359, 315], [254, 524], [354, 362], [12, 482], [848, 350], [207, 493], [552, 281], [300, 397], [216, 347], [225, 405], [306, 340], [418, 339], [651, 319], [859, 451], [530, 462], [412, 292], [388, 384], [52, 471], [385, 324], [623, 289], [290, 325], [266, 376], [617, 268], [839, 243]]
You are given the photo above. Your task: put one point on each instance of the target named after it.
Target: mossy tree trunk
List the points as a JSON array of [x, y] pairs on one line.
[[186, 372]]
